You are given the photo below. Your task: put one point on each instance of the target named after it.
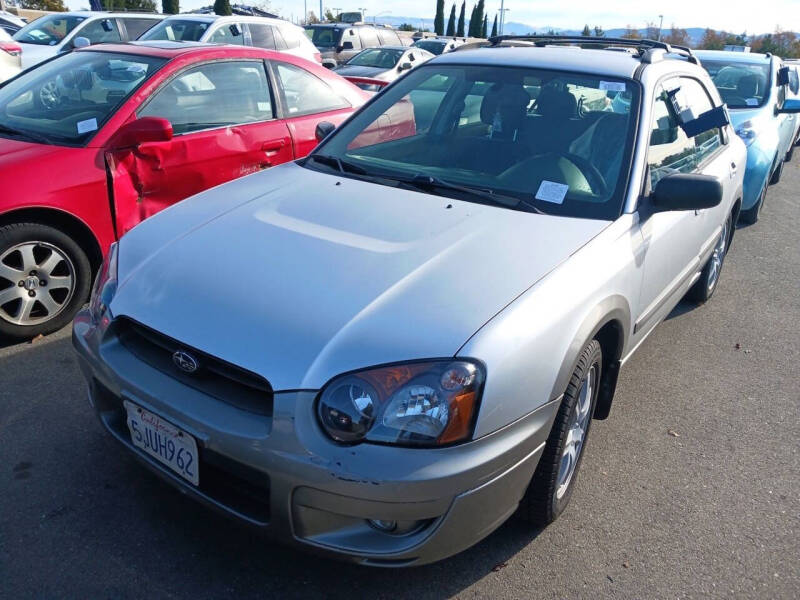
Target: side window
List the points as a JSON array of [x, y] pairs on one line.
[[137, 27], [699, 101], [388, 37], [213, 95], [670, 150], [369, 38], [228, 34], [100, 31], [292, 36], [304, 93], [262, 35]]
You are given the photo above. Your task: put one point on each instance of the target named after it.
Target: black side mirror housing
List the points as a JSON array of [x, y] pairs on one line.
[[346, 46], [783, 76], [323, 130], [404, 66], [686, 191]]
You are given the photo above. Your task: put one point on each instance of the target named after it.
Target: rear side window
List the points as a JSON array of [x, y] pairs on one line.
[[388, 37], [293, 36], [369, 38], [100, 31], [262, 36], [137, 27], [213, 95], [304, 93], [228, 34]]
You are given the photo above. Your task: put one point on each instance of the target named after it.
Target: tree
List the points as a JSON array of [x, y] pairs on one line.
[[438, 22], [631, 33], [329, 16], [494, 27], [132, 5], [586, 31], [451, 23], [477, 19], [485, 28], [782, 43], [711, 40], [48, 5], [406, 27], [170, 7], [222, 7], [471, 26], [460, 28], [652, 31], [312, 18], [598, 31], [678, 36]]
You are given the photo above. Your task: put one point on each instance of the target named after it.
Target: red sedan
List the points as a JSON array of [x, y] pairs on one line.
[[93, 142]]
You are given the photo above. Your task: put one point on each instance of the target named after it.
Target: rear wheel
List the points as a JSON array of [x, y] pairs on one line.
[[776, 175], [44, 280], [704, 287], [551, 486]]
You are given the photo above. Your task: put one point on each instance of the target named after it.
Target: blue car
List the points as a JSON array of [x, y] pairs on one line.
[[755, 88]]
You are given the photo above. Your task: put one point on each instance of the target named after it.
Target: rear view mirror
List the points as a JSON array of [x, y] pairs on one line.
[[107, 26], [81, 42], [323, 130], [790, 106], [235, 30], [141, 131], [686, 191]]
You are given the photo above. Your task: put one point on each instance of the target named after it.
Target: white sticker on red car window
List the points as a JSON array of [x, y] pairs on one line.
[[87, 126], [550, 191], [612, 86]]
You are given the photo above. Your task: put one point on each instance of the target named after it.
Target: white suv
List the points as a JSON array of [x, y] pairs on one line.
[[262, 32], [61, 32]]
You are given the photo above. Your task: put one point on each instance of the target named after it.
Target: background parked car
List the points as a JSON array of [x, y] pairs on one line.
[[438, 45], [123, 131], [10, 56], [339, 42], [386, 63], [10, 23], [261, 32], [56, 33], [751, 85]]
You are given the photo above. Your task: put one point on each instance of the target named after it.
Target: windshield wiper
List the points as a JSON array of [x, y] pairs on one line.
[[28, 134], [427, 182], [342, 166]]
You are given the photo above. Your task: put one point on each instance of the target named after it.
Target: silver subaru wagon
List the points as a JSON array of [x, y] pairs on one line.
[[384, 350]]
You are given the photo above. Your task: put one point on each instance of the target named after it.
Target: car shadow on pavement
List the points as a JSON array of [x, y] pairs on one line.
[[110, 524]]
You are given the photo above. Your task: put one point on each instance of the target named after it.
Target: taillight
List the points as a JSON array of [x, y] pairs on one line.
[[318, 57], [11, 48]]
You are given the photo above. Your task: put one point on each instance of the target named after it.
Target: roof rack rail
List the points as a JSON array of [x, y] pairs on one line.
[[645, 47]]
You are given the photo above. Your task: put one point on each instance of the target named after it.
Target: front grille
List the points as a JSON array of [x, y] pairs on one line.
[[214, 377], [230, 483]]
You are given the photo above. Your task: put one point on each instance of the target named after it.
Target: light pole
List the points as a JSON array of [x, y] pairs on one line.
[[660, 25], [503, 12], [386, 12], [363, 14]]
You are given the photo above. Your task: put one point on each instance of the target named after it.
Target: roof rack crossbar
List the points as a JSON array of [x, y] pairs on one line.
[[643, 45]]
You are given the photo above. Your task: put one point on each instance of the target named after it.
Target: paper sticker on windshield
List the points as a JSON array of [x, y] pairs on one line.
[[264, 106], [612, 86], [550, 191], [87, 125], [751, 101]]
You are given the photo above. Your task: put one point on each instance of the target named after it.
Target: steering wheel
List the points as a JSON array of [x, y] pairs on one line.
[[593, 175], [50, 95]]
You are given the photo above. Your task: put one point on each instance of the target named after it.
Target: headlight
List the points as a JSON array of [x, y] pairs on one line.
[[747, 132], [105, 286], [430, 403]]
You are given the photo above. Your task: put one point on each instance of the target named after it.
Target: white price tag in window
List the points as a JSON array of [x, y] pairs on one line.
[[612, 86], [87, 126], [550, 191]]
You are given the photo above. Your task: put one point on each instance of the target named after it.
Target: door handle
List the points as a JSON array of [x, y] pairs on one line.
[[733, 170], [272, 148]]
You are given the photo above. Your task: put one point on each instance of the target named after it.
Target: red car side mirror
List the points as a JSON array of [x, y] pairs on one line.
[[141, 131]]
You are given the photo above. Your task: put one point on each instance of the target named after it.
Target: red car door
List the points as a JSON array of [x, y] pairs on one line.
[[225, 126], [307, 100]]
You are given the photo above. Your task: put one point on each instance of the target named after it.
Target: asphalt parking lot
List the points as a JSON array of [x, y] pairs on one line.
[[690, 489]]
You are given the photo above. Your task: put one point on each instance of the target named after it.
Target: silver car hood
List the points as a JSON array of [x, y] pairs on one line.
[[359, 71], [299, 275]]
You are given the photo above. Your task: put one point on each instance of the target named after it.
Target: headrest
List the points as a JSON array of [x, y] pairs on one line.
[[509, 99], [748, 86], [556, 103]]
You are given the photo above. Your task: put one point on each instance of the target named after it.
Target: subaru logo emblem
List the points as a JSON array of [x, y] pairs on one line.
[[185, 361]]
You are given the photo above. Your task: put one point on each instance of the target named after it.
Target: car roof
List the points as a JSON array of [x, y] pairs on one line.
[[170, 50], [592, 61], [742, 57], [205, 18], [94, 13]]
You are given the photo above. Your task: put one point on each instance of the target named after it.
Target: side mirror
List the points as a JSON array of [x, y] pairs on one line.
[[790, 106], [141, 131], [323, 130], [783, 76], [686, 191], [404, 66], [346, 46], [81, 42]]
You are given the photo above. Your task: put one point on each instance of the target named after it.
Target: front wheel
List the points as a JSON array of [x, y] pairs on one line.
[[44, 280], [704, 287], [751, 215], [551, 486], [776, 175]]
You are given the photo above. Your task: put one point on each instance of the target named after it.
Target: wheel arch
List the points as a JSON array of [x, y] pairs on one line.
[[63, 221]]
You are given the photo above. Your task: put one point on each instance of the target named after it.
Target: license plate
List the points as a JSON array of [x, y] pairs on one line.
[[163, 441]]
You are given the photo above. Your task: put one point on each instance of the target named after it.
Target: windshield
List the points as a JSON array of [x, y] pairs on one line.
[[741, 85], [431, 46], [324, 37], [527, 139], [48, 30], [376, 57], [68, 99], [177, 30]]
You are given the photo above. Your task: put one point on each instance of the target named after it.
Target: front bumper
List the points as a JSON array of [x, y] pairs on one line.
[[278, 472]]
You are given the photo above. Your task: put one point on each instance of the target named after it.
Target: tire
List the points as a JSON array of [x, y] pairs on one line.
[[704, 288], [776, 175], [790, 153], [53, 294], [751, 215], [551, 487]]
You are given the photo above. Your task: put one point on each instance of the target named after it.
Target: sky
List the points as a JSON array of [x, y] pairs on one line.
[[733, 15]]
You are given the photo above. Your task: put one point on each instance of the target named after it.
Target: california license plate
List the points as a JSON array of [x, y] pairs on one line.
[[163, 441]]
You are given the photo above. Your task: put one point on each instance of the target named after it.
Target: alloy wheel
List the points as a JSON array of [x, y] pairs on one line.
[[718, 256], [576, 435]]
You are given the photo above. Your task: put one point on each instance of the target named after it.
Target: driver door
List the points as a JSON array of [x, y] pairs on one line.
[[224, 125]]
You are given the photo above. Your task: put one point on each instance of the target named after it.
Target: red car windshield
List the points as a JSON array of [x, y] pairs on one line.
[[68, 99]]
